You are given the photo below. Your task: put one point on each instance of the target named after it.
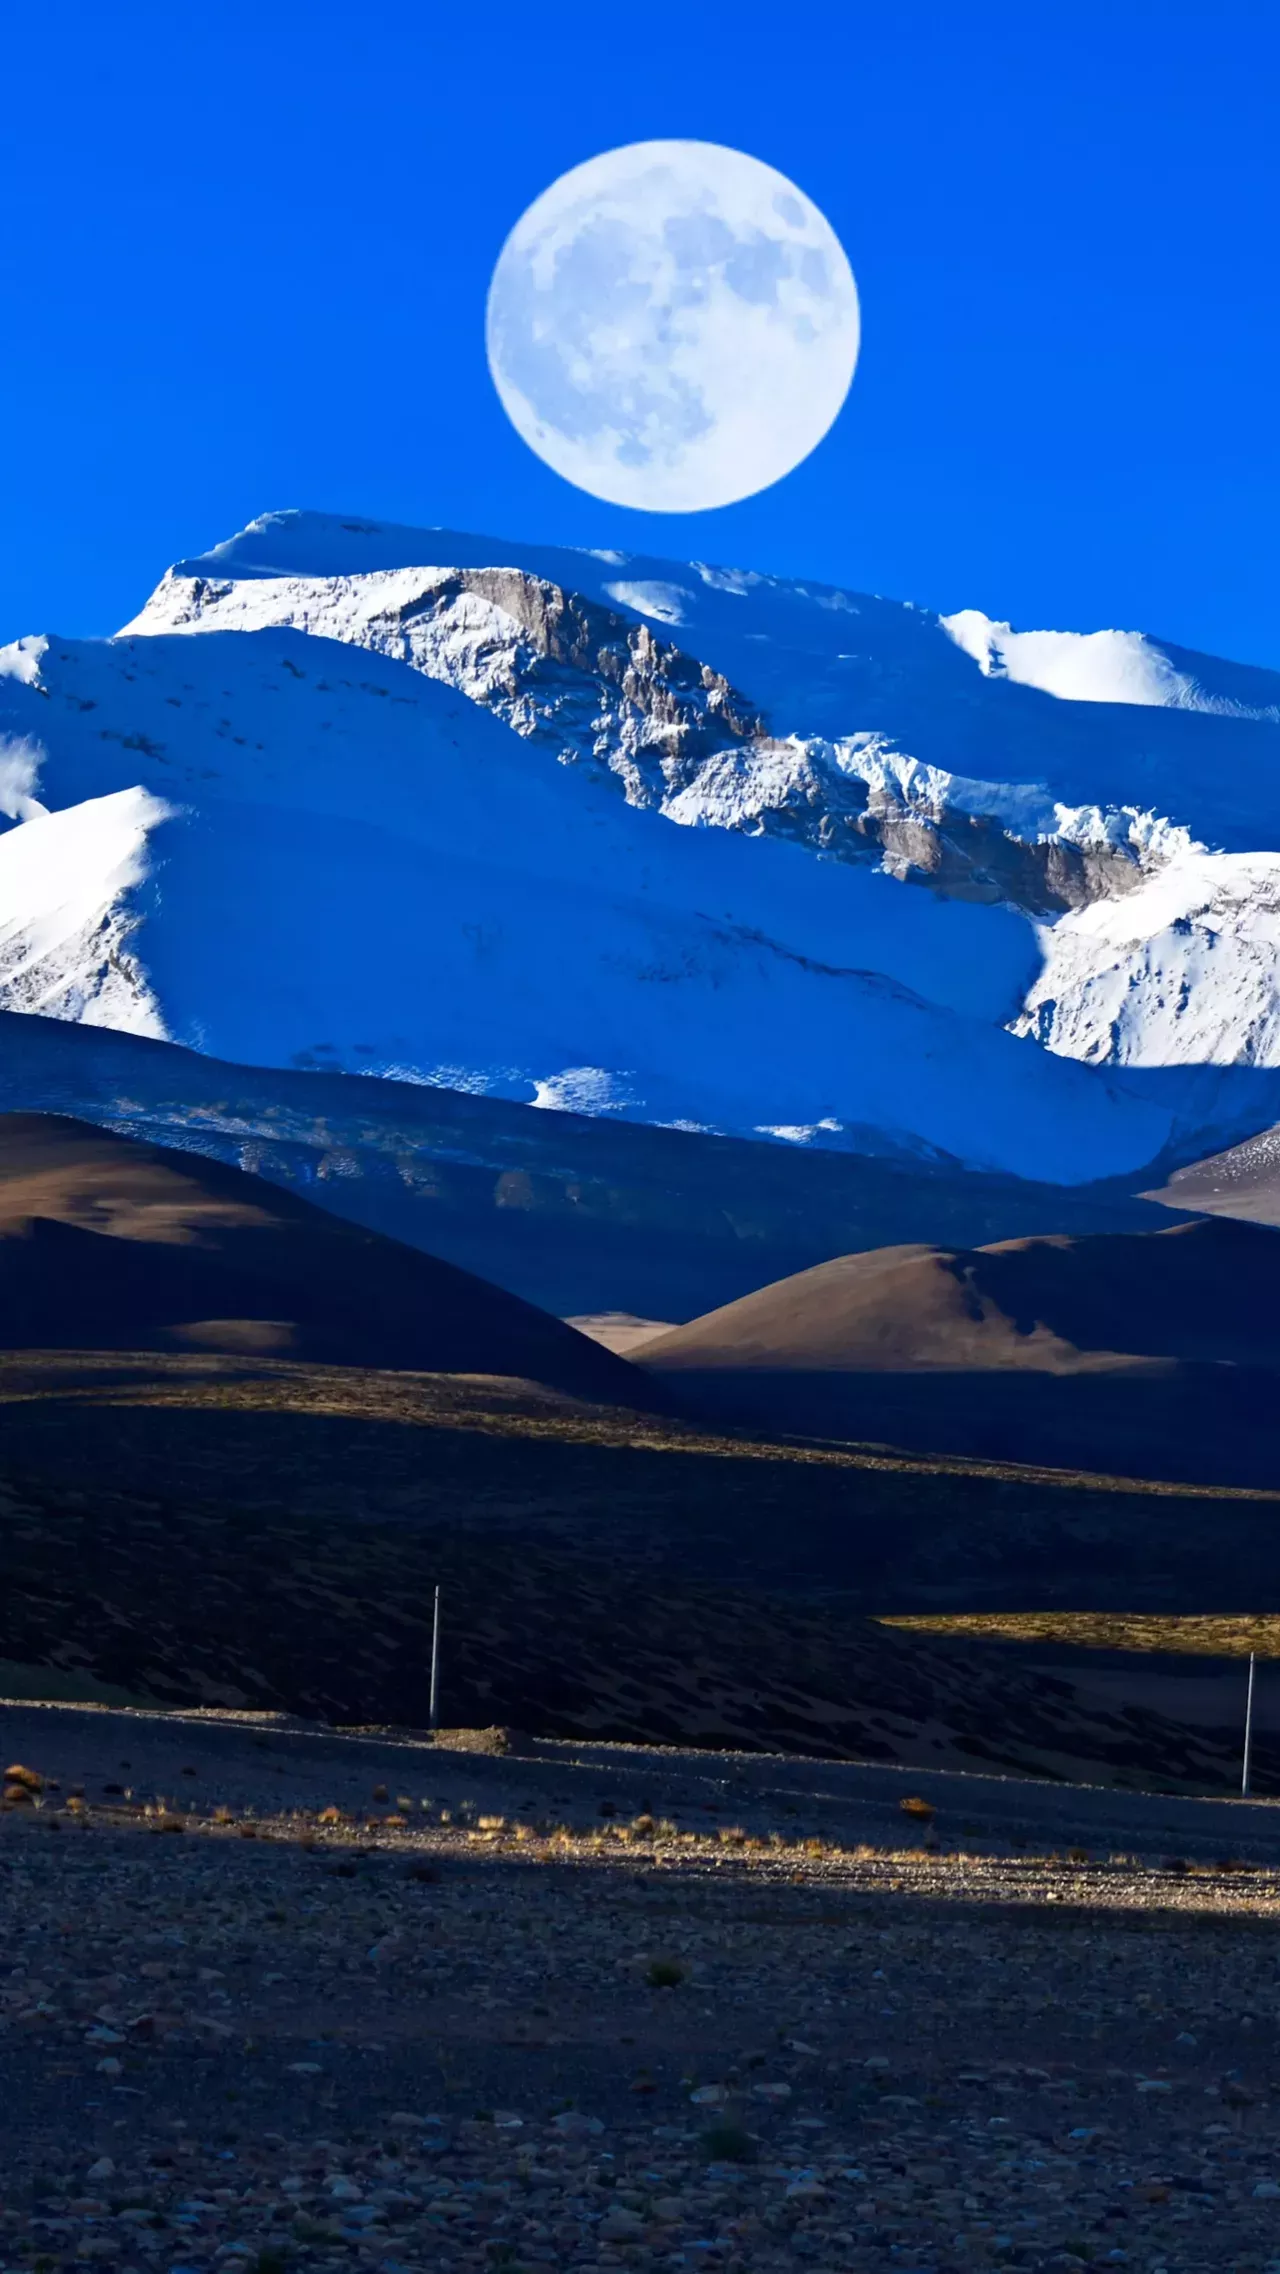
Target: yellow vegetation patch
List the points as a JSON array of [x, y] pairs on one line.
[[1216, 1634]]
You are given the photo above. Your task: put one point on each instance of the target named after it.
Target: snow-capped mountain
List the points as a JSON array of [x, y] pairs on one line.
[[996, 765], [1184, 970], [410, 802]]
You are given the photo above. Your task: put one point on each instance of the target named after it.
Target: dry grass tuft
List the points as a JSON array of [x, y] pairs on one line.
[[922, 1810], [496, 1740]]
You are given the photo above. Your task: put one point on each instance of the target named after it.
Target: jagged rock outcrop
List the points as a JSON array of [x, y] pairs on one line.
[[602, 689]]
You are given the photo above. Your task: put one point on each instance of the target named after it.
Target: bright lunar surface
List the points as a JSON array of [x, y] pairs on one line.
[[672, 326]]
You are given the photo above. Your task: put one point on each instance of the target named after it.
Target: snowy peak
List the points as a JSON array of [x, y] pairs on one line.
[[362, 870], [1058, 773], [988, 764], [1093, 667], [555, 665], [594, 687], [345, 795], [892, 641]]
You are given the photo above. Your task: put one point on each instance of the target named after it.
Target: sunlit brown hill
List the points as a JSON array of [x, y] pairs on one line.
[[241, 1443], [111, 1244], [1150, 1353]]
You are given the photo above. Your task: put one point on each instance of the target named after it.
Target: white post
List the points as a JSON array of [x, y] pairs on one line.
[[433, 1710], [1248, 1731]]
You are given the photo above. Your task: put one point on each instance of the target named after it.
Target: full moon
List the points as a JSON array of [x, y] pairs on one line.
[[672, 325]]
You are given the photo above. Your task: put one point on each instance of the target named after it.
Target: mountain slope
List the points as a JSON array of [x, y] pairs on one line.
[[1153, 1353], [576, 1213], [1053, 770], [354, 867], [1201, 1292], [110, 1244], [478, 813], [1243, 1182], [1061, 762], [1180, 971]]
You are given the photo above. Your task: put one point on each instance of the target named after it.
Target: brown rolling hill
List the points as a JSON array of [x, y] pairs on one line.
[[242, 1441], [107, 1243], [1152, 1354]]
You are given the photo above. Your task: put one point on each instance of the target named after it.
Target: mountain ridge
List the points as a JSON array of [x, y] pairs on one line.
[[332, 829], [597, 831], [857, 746], [574, 1212]]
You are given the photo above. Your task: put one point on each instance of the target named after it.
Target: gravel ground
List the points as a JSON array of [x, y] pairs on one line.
[[388, 2030]]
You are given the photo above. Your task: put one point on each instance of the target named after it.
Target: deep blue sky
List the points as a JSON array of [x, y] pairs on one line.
[[244, 253]]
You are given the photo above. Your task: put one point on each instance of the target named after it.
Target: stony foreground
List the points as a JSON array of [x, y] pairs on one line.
[[285, 2008]]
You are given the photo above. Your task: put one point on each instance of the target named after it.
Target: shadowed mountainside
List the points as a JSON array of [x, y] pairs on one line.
[[107, 1243], [1243, 1182], [578, 1214], [1155, 1353]]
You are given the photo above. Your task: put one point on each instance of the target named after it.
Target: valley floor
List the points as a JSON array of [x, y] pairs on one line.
[[396, 2005], [260, 1534]]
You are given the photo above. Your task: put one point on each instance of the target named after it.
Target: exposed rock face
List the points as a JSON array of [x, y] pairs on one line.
[[600, 688], [973, 857], [596, 683], [592, 683], [813, 794]]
